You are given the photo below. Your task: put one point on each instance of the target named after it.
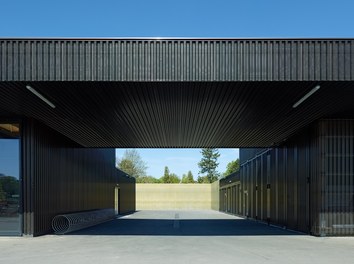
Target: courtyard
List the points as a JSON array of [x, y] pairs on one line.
[[178, 237]]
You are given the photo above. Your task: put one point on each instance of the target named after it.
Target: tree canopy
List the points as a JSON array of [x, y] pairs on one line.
[[2, 193], [208, 165], [147, 179], [232, 167], [188, 178], [203, 179], [169, 177], [9, 186], [132, 164]]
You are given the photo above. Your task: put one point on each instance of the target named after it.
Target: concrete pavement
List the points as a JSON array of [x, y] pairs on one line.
[[178, 237]]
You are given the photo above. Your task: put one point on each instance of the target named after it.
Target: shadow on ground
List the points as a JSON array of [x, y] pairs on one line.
[[195, 227]]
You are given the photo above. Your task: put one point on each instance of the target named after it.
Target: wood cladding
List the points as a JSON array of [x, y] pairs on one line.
[[306, 185], [336, 163], [176, 59], [60, 177]]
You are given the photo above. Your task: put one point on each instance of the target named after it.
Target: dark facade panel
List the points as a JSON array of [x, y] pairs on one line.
[[336, 145], [176, 60], [274, 185], [60, 177], [127, 197], [249, 153], [306, 184]]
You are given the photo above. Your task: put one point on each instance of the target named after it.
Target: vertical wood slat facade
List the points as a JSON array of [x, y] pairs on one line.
[[59, 177], [336, 143], [127, 203], [176, 60], [305, 185]]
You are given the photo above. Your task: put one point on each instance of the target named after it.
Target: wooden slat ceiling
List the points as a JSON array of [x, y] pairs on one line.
[[178, 114]]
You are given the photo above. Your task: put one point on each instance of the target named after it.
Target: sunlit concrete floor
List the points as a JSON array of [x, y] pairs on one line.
[[178, 237]]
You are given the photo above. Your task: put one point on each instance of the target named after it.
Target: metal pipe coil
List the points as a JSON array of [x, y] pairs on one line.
[[66, 223]]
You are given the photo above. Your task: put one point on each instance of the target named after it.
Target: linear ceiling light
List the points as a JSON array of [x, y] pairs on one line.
[[306, 96], [40, 96]]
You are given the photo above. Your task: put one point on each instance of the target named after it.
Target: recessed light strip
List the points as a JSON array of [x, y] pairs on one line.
[[40, 96], [307, 96]]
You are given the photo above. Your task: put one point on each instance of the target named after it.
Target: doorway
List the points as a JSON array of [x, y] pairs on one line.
[[245, 204], [116, 200]]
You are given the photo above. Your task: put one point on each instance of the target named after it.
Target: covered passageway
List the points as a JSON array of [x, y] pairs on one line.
[[74, 100]]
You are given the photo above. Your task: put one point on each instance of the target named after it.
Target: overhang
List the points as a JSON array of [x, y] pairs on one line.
[[177, 92]]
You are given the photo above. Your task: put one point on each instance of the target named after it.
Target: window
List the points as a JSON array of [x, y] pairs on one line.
[[10, 223]]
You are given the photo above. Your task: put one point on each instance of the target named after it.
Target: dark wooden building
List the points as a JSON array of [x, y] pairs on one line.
[[65, 101]]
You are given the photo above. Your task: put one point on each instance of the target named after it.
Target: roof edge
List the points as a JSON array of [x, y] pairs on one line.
[[177, 38]]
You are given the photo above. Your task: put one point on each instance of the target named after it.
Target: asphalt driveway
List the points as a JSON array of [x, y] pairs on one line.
[[178, 237]]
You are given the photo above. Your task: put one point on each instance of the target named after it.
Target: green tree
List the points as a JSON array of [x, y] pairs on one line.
[[208, 163], [147, 179], [188, 178], [169, 177], [232, 167], [2, 193], [184, 178], [132, 164], [166, 175], [203, 179], [174, 178], [10, 186]]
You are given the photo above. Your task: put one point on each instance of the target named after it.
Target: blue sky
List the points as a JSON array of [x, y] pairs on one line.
[[9, 157], [178, 18], [179, 161]]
